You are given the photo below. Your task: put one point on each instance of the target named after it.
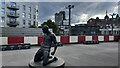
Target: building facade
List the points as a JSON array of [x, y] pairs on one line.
[[61, 22], [108, 26], [59, 17], [18, 14], [84, 29]]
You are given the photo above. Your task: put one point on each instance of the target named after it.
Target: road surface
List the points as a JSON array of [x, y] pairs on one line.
[[103, 54]]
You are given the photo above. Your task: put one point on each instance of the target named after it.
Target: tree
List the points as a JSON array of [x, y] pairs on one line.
[[51, 25]]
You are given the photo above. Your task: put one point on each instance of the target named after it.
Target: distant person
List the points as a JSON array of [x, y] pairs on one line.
[[43, 54]]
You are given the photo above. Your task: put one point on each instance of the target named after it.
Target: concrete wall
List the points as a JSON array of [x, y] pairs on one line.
[[11, 31]]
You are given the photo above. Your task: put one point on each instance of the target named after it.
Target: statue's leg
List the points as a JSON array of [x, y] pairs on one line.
[[45, 57], [38, 56], [52, 60]]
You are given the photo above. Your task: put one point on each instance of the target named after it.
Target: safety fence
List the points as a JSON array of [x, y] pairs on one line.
[[35, 40]]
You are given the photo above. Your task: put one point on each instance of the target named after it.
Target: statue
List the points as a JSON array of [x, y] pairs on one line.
[[43, 54]]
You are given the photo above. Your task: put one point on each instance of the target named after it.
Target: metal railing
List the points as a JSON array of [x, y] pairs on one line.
[[15, 7], [12, 23], [10, 14]]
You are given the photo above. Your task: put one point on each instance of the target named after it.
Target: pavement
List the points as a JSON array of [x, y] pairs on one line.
[[103, 54]]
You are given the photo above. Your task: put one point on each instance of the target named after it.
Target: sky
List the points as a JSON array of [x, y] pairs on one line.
[[81, 12]]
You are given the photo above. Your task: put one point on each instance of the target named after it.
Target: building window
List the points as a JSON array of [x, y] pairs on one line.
[[12, 12], [23, 14], [35, 9], [23, 22], [29, 9], [3, 11], [34, 17], [13, 3], [3, 4], [3, 0], [24, 7], [106, 19], [29, 16], [29, 22], [3, 19], [12, 20], [33, 22]]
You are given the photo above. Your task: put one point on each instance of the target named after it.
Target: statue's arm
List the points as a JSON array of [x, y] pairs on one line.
[[55, 46]]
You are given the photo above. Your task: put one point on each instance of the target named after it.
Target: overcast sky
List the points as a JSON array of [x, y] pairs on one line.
[[81, 12]]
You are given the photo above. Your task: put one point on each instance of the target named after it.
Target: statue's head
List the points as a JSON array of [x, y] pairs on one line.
[[45, 29]]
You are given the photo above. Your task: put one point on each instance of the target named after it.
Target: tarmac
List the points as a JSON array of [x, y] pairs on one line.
[[103, 54]]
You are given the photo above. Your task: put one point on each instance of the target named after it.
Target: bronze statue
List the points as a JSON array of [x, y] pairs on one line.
[[43, 54]]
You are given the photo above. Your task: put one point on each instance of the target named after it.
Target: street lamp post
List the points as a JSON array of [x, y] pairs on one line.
[[69, 7], [112, 21]]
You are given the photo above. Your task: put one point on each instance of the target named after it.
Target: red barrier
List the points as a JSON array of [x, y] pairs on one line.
[[116, 38], [106, 38], [40, 39], [15, 39], [81, 39], [95, 38], [65, 39]]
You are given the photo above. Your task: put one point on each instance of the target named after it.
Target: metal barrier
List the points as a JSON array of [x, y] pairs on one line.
[[37, 40], [15, 47]]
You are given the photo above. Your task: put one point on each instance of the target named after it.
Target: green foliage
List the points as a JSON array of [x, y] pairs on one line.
[[51, 25], [32, 26]]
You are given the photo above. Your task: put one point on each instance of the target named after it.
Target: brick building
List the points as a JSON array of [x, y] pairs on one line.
[[107, 25]]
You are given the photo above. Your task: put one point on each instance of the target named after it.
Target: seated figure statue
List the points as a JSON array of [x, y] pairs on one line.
[[43, 54]]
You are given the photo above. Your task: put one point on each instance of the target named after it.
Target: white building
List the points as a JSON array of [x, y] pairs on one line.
[[18, 14]]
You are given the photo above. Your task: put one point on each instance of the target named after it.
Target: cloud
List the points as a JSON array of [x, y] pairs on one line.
[[84, 16], [100, 16]]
